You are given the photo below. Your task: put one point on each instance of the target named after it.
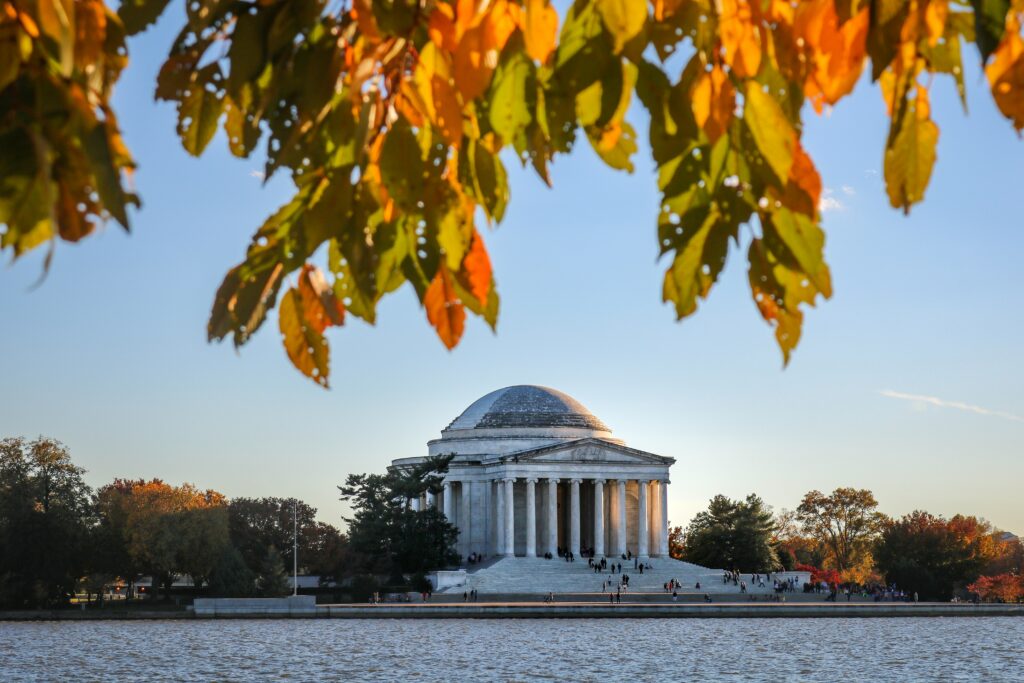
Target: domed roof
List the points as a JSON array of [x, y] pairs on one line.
[[526, 406]]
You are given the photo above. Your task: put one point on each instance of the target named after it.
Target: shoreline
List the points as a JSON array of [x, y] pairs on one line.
[[533, 610]]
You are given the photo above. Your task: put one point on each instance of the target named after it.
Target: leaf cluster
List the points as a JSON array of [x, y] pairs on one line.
[[392, 118]]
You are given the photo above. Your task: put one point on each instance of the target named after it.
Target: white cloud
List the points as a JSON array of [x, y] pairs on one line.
[[848, 190], [257, 174], [920, 401], [828, 201]]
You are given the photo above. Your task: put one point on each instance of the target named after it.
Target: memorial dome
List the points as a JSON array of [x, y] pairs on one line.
[[526, 406]]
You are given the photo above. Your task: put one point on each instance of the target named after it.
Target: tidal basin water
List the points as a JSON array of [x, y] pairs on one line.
[[846, 650]]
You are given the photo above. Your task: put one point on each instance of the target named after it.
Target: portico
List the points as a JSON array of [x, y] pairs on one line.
[[534, 472]]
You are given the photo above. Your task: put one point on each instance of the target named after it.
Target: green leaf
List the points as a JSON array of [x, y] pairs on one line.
[[401, 166], [584, 50], [200, 110], [909, 159], [248, 51], [944, 57], [989, 24], [483, 176], [138, 14], [107, 175], [358, 302], [306, 348], [395, 16], [805, 241], [624, 19], [887, 19], [512, 96], [772, 131]]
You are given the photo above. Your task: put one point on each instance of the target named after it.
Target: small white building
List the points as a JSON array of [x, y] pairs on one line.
[[534, 471]]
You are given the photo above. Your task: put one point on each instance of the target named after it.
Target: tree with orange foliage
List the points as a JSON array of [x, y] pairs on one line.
[[933, 556], [167, 530], [999, 588], [395, 118]]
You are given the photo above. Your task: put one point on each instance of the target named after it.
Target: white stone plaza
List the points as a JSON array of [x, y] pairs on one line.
[[534, 472]]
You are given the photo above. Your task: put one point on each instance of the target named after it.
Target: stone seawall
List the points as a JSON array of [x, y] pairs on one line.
[[639, 611], [562, 610]]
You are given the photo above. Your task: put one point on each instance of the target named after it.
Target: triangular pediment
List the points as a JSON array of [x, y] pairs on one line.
[[588, 451]]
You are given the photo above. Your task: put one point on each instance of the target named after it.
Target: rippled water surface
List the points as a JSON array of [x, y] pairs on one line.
[[847, 650]]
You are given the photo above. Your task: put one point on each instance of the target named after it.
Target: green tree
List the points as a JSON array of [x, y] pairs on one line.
[[272, 581], [933, 556], [845, 523], [732, 534], [231, 577], [45, 521], [385, 534], [258, 522], [393, 118]]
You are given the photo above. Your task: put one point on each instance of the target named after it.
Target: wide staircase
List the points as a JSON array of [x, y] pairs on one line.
[[522, 575]]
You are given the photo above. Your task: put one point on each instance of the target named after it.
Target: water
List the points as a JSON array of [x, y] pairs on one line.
[[641, 650]]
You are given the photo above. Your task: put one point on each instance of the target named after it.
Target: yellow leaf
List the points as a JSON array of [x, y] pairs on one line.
[[624, 19], [436, 95], [935, 19], [444, 311], [540, 29], [911, 154], [713, 100]]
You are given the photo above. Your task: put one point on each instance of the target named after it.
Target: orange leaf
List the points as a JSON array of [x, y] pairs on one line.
[[444, 311], [441, 27], [476, 269], [713, 100], [540, 29], [436, 98], [935, 19], [835, 54], [1006, 74], [320, 308], [803, 191], [740, 37], [479, 48]]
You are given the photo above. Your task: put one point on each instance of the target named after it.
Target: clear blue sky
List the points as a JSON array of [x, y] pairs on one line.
[[109, 353]]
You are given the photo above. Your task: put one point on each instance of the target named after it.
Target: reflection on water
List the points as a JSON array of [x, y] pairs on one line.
[[848, 650]]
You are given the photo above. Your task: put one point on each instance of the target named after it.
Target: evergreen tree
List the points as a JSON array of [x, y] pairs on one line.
[[732, 534], [272, 581]]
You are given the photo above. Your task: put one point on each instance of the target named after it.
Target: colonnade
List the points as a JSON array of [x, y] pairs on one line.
[[650, 537]]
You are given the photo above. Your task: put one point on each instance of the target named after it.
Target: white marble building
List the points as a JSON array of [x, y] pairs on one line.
[[535, 471]]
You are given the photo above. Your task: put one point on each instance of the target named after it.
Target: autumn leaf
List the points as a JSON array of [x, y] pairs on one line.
[[911, 154], [623, 18], [740, 37], [540, 29], [306, 347], [444, 311]]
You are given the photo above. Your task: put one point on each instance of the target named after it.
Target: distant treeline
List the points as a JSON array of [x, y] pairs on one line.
[[59, 538], [844, 541]]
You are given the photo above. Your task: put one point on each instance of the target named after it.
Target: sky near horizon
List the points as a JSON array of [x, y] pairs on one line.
[[908, 382]]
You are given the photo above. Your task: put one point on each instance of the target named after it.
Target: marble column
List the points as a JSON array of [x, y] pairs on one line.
[[499, 518], [663, 495], [620, 511], [465, 517], [531, 518], [599, 518], [414, 504], [431, 499], [553, 517], [574, 516], [510, 518], [643, 535], [446, 500]]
